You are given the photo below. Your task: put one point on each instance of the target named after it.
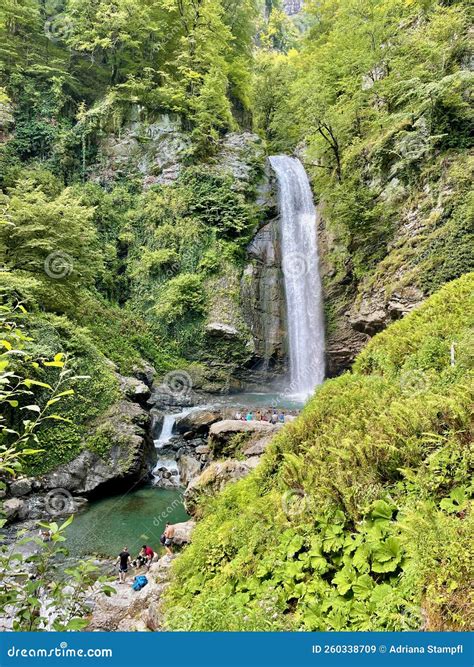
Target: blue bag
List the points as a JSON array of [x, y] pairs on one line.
[[139, 582]]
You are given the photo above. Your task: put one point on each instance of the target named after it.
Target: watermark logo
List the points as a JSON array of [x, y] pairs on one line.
[[295, 502], [58, 265], [58, 502], [58, 28], [294, 265], [413, 382], [178, 383]]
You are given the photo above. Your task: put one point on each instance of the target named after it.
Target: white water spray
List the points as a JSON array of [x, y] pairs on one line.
[[300, 263]]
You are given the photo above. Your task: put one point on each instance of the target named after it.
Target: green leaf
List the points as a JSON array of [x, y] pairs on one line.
[[381, 510], [35, 383], [344, 579], [67, 523], [387, 556], [363, 586]]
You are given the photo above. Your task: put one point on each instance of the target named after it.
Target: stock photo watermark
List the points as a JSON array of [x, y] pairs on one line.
[[58, 265]]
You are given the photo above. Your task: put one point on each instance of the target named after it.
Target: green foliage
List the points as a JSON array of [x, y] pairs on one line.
[[30, 596], [182, 296], [47, 233], [303, 543], [90, 399], [30, 386], [378, 94], [27, 410]]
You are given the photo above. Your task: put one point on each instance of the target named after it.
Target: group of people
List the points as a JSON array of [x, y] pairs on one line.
[[145, 556], [272, 416]]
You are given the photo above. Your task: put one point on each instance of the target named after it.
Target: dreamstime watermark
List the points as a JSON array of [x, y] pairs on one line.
[[295, 265], [58, 265], [413, 382], [58, 502], [58, 27], [177, 383], [295, 502], [164, 514], [61, 651]]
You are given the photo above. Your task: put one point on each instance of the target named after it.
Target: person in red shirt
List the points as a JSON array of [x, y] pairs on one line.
[[149, 555]]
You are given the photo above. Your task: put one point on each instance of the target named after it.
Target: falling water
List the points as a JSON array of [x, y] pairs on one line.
[[299, 249]]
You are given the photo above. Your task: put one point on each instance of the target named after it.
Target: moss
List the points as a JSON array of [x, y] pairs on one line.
[[94, 391]]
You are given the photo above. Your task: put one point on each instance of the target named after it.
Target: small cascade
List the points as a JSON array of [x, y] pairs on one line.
[[166, 471], [166, 431]]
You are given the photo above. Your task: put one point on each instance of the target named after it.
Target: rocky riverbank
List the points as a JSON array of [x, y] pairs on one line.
[[210, 452]]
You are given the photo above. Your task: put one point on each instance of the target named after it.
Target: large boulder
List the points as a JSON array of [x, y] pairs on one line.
[[189, 468], [213, 479], [257, 448], [229, 435], [183, 532], [197, 423], [135, 390], [21, 487], [120, 453], [13, 508], [375, 310]]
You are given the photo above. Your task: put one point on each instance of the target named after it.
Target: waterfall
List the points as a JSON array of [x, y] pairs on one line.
[[166, 431], [299, 252]]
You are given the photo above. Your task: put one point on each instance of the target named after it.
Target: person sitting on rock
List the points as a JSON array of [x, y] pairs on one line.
[[140, 560], [258, 416], [274, 417], [281, 417], [238, 415], [149, 555], [249, 416]]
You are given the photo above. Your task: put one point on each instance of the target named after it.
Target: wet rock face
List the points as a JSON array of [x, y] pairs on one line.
[[376, 310], [153, 149], [262, 298]]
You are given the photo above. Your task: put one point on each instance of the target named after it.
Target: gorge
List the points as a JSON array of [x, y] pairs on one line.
[[219, 209]]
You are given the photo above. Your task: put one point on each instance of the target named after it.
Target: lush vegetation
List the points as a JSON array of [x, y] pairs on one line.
[[31, 593], [378, 94], [359, 516], [123, 235]]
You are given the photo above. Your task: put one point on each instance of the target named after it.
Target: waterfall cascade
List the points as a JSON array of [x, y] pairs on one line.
[[303, 292]]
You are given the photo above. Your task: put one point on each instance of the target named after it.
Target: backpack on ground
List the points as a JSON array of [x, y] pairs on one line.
[[139, 582]]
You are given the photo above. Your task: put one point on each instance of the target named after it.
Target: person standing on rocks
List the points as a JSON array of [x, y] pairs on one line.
[[124, 560], [168, 538]]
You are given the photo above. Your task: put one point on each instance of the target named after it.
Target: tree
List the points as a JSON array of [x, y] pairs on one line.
[[50, 236]]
